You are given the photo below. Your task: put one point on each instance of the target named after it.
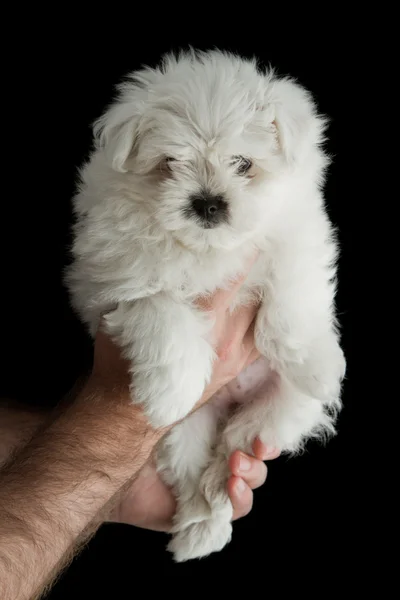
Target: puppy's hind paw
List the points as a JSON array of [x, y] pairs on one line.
[[200, 539]]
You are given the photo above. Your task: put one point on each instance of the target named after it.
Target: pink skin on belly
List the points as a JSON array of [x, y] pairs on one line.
[[250, 382]]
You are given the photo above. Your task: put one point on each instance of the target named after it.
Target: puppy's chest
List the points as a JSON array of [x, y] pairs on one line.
[[205, 278]]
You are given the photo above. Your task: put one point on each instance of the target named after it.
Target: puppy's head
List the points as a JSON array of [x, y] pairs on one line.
[[205, 139]]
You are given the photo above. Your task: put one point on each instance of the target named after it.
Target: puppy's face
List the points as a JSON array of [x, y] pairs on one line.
[[207, 137], [208, 186]]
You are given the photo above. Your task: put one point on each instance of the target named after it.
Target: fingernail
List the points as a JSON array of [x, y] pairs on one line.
[[244, 463], [240, 486], [270, 452]]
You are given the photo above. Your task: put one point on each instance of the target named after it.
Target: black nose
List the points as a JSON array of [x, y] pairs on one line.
[[212, 209]]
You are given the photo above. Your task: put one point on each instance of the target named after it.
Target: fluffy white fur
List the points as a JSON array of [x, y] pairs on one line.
[[137, 251]]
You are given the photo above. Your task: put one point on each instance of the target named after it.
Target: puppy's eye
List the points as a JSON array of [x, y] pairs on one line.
[[243, 165], [167, 163]]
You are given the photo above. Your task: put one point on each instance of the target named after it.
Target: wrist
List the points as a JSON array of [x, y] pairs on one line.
[[111, 428]]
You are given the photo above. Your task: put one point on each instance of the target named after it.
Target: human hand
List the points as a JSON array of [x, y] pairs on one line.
[[232, 337], [150, 504]]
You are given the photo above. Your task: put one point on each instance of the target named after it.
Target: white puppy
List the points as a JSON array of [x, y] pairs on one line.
[[197, 164]]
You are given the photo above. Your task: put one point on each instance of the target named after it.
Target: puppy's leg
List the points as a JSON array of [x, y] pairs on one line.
[[283, 418], [171, 361], [181, 459], [295, 330]]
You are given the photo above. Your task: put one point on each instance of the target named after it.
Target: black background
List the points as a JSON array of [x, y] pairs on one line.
[[308, 511]]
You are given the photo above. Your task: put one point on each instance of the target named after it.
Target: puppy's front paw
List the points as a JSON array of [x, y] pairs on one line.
[[171, 360], [321, 373], [168, 393], [162, 413]]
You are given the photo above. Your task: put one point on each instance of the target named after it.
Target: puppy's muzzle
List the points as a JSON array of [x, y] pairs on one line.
[[210, 210]]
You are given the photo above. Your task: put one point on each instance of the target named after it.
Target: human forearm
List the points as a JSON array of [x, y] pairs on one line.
[[53, 493]]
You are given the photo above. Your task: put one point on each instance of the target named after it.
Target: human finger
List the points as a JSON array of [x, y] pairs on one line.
[[242, 321], [252, 470], [239, 333], [240, 496], [248, 344], [252, 357], [263, 452]]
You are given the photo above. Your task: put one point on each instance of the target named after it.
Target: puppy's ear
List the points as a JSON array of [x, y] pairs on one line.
[[298, 126], [116, 132]]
